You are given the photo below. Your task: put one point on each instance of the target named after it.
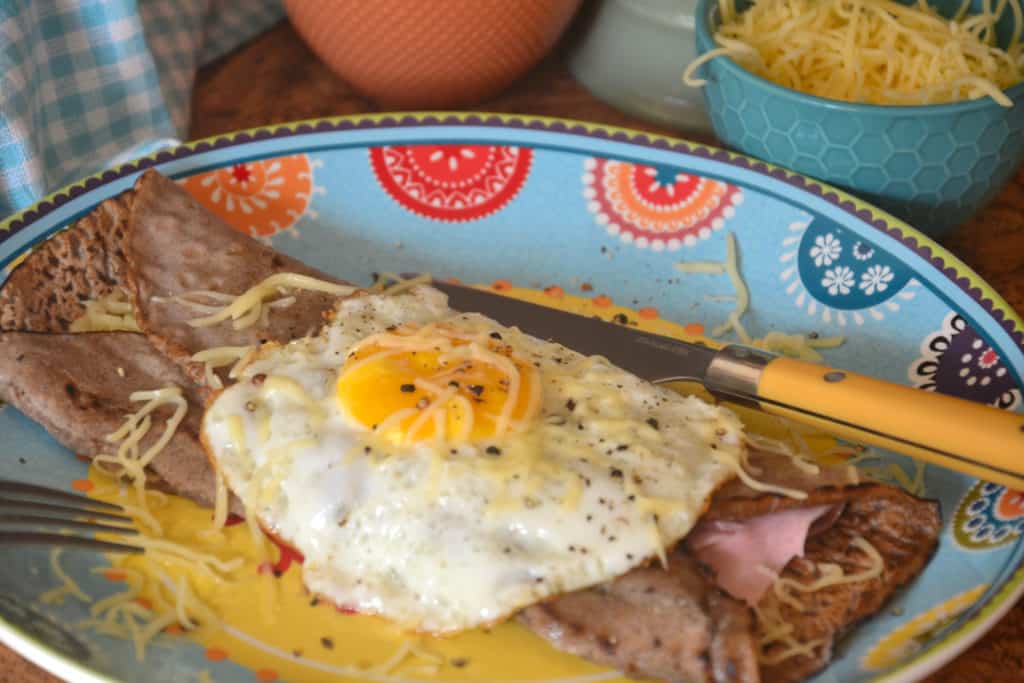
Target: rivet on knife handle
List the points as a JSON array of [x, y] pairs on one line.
[[976, 439]]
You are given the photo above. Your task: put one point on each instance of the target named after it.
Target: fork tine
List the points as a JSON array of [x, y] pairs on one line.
[[39, 520], [35, 506], [41, 538], [18, 487]]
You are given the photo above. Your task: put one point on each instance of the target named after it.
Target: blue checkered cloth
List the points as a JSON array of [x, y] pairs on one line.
[[85, 84]]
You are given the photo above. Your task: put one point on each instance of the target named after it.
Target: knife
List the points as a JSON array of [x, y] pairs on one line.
[[976, 439]]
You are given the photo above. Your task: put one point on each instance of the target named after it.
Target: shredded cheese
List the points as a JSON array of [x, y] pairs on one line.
[[67, 584], [777, 641], [398, 284], [892, 473], [832, 574], [218, 357], [408, 649], [220, 507], [127, 461], [458, 353], [732, 269], [798, 346], [711, 267], [111, 313], [246, 309], [802, 460], [872, 51]]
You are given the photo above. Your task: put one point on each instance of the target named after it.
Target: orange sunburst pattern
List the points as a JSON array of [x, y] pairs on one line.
[[259, 198]]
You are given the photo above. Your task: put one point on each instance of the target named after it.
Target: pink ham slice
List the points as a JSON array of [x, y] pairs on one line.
[[747, 556]]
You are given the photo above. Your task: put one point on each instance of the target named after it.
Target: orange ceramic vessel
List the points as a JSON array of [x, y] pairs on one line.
[[430, 53]]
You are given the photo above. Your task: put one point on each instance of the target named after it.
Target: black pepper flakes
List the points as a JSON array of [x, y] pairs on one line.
[[616, 473], [570, 405], [496, 335], [314, 602], [653, 423], [620, 318], [459, 662], [492, 450], [476, 389], [622, 447], [327, 643], [453, 383], [408, 388]]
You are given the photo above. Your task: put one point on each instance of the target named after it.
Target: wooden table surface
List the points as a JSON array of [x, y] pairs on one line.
[[275, 78]]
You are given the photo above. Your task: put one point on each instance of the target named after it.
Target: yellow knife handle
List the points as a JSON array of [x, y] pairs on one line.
[[973, 438]]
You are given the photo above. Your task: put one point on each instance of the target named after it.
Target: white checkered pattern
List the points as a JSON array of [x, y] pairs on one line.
[[88, 83]]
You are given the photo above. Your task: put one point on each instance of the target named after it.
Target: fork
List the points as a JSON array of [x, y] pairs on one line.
[[27, 505]]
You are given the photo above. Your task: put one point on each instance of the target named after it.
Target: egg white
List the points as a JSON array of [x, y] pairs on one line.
[[441, 537]]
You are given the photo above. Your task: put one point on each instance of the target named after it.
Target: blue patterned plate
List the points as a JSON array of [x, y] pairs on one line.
[[579, 212]]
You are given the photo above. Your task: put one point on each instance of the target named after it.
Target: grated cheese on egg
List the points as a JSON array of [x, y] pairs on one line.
[[433, 432]]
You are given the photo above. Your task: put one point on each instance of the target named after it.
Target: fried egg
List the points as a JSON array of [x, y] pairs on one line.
[[443, 471]]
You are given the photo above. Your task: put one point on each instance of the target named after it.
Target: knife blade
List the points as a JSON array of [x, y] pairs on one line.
[[653, 357], [972, 438]]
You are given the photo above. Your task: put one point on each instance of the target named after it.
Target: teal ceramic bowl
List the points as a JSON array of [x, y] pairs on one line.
[[933, 166]]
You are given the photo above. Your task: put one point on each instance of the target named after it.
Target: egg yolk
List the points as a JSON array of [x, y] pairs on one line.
[[411, 385]]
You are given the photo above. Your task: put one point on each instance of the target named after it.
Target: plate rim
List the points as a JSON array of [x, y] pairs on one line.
[[946, 263]]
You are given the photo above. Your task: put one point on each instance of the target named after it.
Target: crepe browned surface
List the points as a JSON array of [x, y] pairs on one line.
[[77, 386], [903, 529], [49, 289], [691, 620], [669, 624], [823, 486], [175, 246]]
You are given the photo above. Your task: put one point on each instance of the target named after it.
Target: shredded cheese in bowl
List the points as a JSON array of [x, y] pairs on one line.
[[872, 51]]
